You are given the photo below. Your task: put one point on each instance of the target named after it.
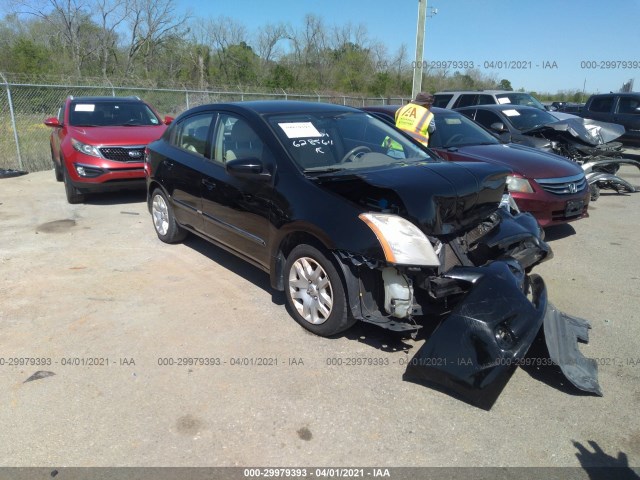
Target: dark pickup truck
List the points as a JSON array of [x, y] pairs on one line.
[[620, 108]]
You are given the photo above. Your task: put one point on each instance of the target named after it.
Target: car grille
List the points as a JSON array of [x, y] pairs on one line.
[[123, 154], [563, 186]]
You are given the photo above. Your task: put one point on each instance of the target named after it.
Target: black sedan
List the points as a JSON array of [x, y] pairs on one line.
[[354, 220]]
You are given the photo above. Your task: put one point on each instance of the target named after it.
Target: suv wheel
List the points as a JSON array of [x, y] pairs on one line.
[[57, 170], [73, 194], [164, 221], [315, 293]]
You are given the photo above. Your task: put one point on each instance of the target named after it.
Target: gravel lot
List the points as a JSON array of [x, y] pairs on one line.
[[91, 281]]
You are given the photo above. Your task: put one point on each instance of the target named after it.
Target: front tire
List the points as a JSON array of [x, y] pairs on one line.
[[73, 194], [315, 292], [164, 221], [57, 168]]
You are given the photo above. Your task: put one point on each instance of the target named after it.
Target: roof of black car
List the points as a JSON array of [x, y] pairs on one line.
[[289, 106]]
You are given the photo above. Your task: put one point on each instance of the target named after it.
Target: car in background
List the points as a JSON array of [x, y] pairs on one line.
[[97, 143], [355, 220], [512, 122], [620, 108], [552, 188], [566, 107], [465, 98]]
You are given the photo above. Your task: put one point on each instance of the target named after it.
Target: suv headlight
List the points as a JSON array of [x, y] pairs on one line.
[[402, 242], [518, 184], [84, 148]]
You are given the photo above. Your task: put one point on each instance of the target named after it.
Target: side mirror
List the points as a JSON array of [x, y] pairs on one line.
[[250, 167], [498, 127], [52, 122], [168, 120]]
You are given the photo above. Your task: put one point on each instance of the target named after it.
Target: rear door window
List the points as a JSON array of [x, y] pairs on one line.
[[601, 104], [466, 100], [442, 101], [486, 118]]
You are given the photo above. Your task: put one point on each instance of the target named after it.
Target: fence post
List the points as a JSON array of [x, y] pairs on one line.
[[186, 94], [285, 94], [13, 121]]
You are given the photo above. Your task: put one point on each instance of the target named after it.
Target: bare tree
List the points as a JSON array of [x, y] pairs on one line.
[[151, 23], [221, 34], [66, 17], [111, 14], [267, 41]]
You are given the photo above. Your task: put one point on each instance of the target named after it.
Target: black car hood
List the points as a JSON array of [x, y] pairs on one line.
[[441, 197], [589, 131]]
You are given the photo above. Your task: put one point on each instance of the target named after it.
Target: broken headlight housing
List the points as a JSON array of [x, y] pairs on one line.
[[402, 242]]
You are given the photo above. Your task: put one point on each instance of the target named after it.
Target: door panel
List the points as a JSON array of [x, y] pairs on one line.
[[236, 211]]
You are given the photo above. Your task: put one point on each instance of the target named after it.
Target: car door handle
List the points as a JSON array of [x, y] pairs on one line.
[[208, 183], [168, 164]]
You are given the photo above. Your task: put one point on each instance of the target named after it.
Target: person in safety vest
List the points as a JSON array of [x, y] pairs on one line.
[[416, 118]]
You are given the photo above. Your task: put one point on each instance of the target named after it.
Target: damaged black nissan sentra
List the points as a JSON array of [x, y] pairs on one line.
[[354, 220]]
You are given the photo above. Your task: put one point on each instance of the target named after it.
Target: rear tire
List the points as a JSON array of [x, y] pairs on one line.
[[73, 194], [595, 192], [315, 292], [164, 221]]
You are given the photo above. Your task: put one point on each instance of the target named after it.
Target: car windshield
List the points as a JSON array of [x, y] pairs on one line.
[[327, 142], [111, 114], [525, 119], [517, 98], [454, 130]]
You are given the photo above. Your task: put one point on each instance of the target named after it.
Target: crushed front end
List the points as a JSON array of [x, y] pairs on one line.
[[481, 304]]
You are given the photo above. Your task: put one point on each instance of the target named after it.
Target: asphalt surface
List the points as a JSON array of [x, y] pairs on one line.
[[90, 297]]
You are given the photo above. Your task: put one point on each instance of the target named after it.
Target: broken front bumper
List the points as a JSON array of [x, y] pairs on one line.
[[475, 349]]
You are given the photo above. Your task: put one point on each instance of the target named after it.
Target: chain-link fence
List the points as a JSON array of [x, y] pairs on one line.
[[24, 139]]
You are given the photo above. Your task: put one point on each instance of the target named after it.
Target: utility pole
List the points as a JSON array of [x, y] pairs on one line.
[[417, 64]]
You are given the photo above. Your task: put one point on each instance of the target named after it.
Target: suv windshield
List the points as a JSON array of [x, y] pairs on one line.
[[111, 113], [517, 98], [322, 142], [527, 118], [455, 130]]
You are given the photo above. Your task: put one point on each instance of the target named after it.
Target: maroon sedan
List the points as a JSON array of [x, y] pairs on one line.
[[552, 188]]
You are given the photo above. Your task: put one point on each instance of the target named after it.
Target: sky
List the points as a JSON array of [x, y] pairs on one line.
[[546, 45]]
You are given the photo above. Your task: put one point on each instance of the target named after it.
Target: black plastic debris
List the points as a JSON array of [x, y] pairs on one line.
[[8, 173]]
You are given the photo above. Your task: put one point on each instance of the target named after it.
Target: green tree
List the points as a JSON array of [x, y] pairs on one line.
[[505, 85]]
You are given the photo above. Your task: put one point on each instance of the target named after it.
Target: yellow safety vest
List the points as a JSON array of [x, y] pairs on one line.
[[414, 119]]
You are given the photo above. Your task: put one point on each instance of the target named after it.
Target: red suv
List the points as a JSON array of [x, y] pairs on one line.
[[98, 143]]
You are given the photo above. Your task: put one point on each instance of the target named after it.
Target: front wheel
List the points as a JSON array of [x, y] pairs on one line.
[[164, 221], [315, 293], [57, 168], [73, 194]]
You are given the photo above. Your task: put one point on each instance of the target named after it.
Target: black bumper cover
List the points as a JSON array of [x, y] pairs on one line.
[[476, 348]]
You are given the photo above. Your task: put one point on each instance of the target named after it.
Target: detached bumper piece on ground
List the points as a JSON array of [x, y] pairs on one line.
[[477, 347]]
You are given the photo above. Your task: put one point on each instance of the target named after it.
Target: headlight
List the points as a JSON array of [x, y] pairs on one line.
[[518, 184], [84, 148], [402, 242]]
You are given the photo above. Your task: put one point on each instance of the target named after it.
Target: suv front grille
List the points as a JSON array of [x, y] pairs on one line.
[[563, 186], [123, 154]]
